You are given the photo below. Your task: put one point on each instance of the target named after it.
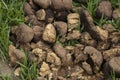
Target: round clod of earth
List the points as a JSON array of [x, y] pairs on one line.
[[114, 65], [104, 9], [24, 33], [62, 4], [43, 3]]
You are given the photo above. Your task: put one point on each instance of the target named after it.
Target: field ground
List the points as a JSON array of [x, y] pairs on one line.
[[11, 14]]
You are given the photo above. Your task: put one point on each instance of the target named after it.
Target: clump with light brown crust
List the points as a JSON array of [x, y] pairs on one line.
[[49, 33]]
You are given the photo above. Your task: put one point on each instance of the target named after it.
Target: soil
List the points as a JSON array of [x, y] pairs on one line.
[[62, 51], [6, 70]]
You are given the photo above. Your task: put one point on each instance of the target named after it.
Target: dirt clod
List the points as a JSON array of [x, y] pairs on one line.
[[66, 40], [104, 9], [62, 4], [114, 64], [41, 54], [24, 33], [49, 16], [96, 57], [62, 53], [44, 70], [59, 50], [61, 27], [116, 14], [41, 14], [27, 9], [115, 37], [102, 46], [87, 67], [17, 71], [110, 28], [38, 31], [95, 31], [49, 33], [109, 54], [15, 55], [87, 40], [79, 54], [75, 34], [73, 21], [44, 4], [53, 59]]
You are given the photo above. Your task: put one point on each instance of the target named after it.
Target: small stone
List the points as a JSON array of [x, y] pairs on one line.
[[87, 68]]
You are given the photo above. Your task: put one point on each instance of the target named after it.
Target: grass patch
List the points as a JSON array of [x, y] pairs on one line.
[[4, 77], [91, 6], [101, 21], [11, 13], [70, 43], [28, 69], [113, 75], [115, 3], [117, 24]]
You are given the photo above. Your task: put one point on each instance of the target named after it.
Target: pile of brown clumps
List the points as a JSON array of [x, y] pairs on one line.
[[50, 23]]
